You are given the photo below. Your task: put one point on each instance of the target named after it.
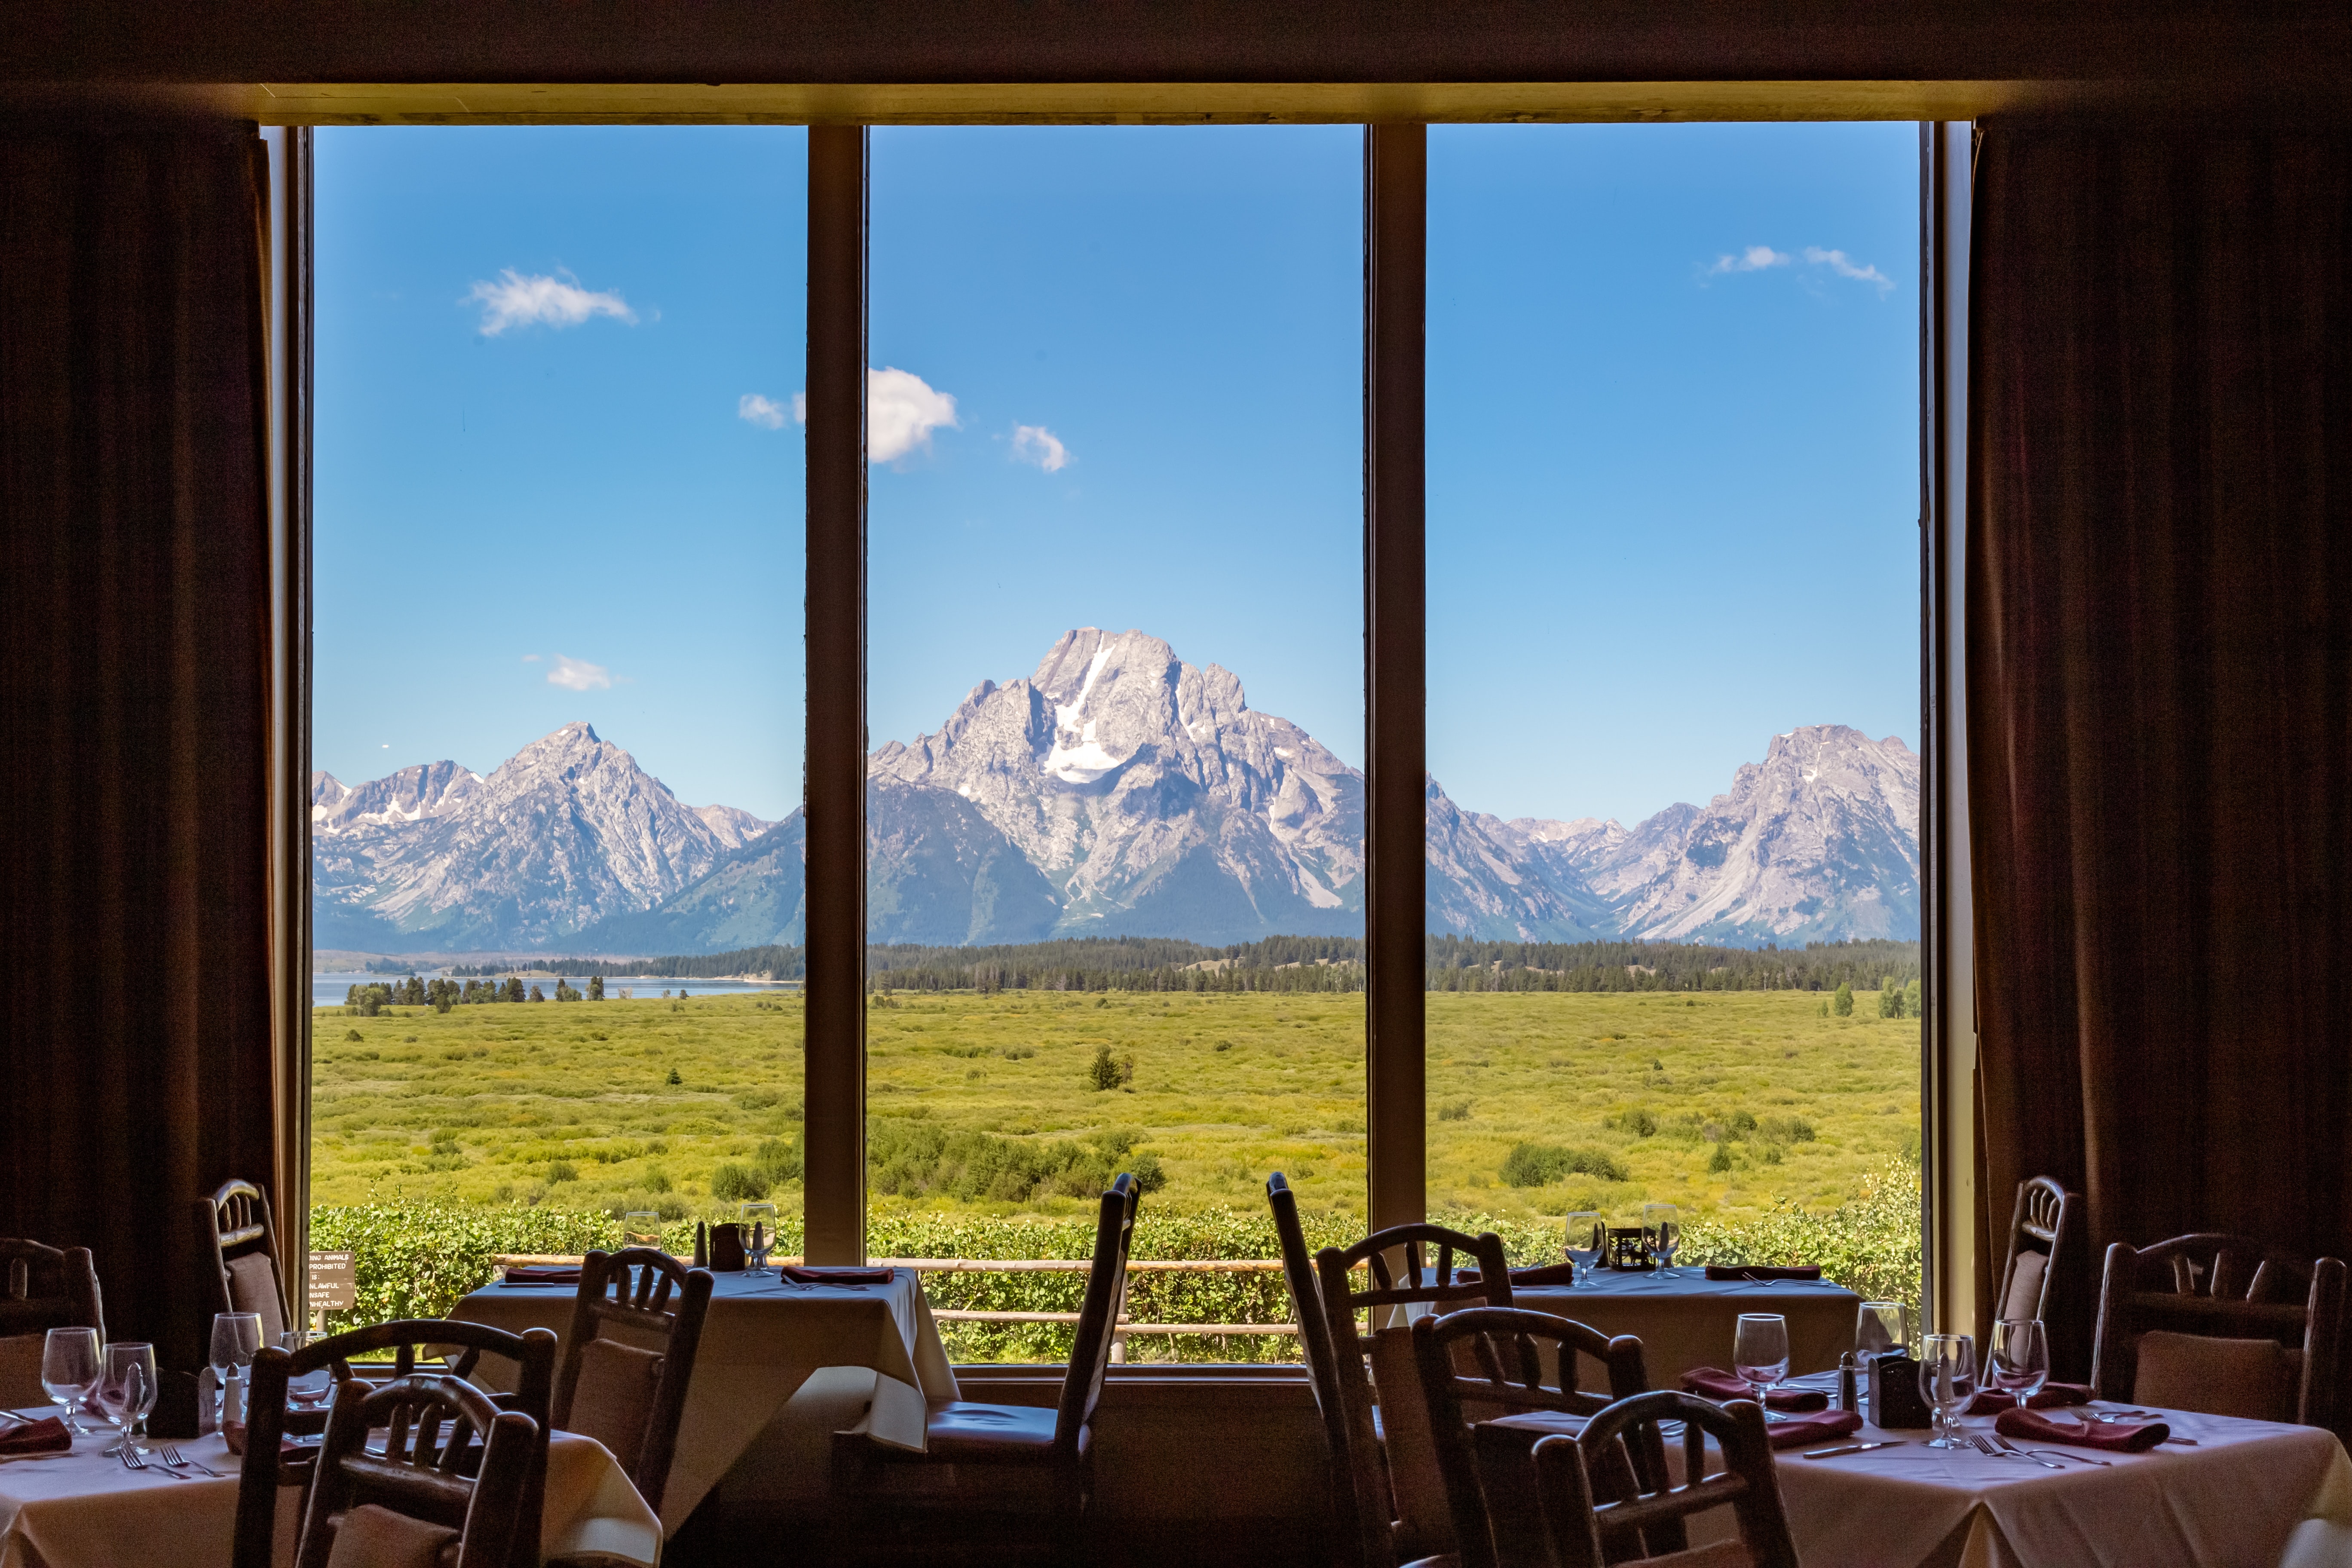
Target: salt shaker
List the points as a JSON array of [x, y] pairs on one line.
[[1849, 1396]]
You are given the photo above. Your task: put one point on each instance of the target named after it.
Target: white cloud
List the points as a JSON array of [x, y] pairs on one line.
[[901, 412], [579, 675], [1755, 258], [1838, 262], [530, 659], [800, 408], [1036, 444], [765, 412], [519, 300]]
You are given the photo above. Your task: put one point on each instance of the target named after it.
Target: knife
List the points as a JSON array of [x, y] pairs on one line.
[[1855, 1449]]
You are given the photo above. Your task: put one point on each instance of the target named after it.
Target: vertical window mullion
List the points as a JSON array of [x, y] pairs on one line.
[[1396, 228], [833, 1101]]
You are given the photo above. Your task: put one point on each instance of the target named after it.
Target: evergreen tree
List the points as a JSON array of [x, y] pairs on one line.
[[1104, 1072], [1843, 1003], [595, 988]]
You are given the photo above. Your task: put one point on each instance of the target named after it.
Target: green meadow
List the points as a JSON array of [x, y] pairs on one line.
[[1539, 1102]]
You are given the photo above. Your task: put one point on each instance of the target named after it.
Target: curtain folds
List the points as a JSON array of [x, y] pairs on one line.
[[135, 698], [2160, 680]]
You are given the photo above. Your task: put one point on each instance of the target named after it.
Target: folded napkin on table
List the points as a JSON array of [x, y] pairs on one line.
[[1709, 1382], [542, 1274], [1539, 1274], [2124, 1437], [805, 1274], [46, 1435], [1806, 1430], [1761, 1271], [1992, 1401]]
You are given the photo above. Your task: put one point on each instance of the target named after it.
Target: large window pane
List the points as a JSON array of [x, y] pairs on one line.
[[1116, 520], [1675, 685], [559, 687]]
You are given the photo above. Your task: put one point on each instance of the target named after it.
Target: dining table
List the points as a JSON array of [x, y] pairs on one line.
[[1685, 1319], [83, 1508], [778, 1357]]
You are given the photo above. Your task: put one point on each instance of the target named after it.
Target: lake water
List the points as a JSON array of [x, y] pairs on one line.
[[328, 990]]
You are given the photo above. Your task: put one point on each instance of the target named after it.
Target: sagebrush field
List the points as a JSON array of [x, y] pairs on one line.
[[1720, 1102]]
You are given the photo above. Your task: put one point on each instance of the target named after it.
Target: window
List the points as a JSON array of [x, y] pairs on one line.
[[1673, 597], [1115, 819], [558, 686]]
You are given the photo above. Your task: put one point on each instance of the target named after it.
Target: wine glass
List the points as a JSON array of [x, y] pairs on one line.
[[1947, 1380], [1760, 1350], [311, 1389], [1588, 1238], [235, 1336], [641, 1227], [2017, 1361], [126, 1390], [1879, 1328], [69, 1371], [759, 1232], [1664, 1225]]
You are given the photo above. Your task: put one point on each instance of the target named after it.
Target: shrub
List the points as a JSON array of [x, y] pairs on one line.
[[1841, 1004], [1640, 1124], [779, 1160], [732, 1183], [1786, 1130], [353, 1035], [1543, 1165], [1455, 1110], [563, 1171]]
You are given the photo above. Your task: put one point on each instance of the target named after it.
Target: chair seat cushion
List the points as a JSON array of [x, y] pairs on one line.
[[613, 1399], [961, 1432], [372, 1537], [253, 1288]]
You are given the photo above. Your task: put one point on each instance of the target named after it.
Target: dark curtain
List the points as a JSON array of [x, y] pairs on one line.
[[2160, 680], [134, 692]]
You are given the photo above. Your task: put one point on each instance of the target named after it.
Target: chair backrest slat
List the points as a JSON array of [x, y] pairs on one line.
[[630, 1291], [2043, 1222], [1098, 1316], [44, 1288], [1315, 1349]]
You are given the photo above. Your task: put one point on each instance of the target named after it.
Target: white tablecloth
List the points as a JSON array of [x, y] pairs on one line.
[[83, 1509], [761, 1341], [1685, 1319]]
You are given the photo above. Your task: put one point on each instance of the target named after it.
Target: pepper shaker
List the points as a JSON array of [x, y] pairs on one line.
[[1849, 1395]]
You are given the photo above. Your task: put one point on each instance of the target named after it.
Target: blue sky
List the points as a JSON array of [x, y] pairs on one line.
[[1672, 496]]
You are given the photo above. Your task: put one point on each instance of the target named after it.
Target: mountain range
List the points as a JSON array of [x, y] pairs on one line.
[[1117, 790]]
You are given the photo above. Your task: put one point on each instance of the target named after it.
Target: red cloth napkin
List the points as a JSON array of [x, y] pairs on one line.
[[804, 1274], [542, 1274], [1761, 1271], [2122, 1436], [1807, 1430], [1709, 1382], [1992, 1401], [46, 1435]]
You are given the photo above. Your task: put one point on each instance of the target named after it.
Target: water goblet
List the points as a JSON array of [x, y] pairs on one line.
[[641, 1227], [1663, 1224], [1587, 1239], [126, 1390], [69, 1371], [1947, 1380], [1879, 1328], [2017, 1359], [1760, 1350], [235, 1336], [311, 1389], [759, 1232]]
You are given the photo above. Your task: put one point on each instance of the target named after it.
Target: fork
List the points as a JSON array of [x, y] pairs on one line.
[[171, 1453], [133, 1460], [2012, 1451]]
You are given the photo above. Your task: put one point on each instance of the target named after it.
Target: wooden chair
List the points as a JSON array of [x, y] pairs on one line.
[[1507, 1346], [409, 1504], [266, 1468], [233, 1229], [2039, 1231], [1580, 1522], [41, 1287], [1315, 1349], [2240, 1294], [1054, 1445], [619, 1388], [1392, 1444]]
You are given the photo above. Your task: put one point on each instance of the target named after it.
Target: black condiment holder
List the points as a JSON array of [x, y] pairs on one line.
[[1628, 1249]]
